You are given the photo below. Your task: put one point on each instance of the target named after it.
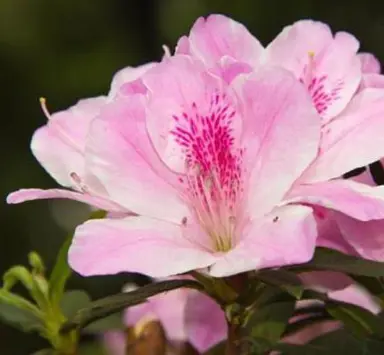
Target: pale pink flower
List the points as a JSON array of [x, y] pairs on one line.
[[206, 169], [59, 146], [186, 316], [224, 158], [347, 90]]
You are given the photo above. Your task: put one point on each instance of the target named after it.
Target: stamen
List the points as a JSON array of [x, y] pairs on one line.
[[167, 52], [213, 163], [43, 104], [79, 184]]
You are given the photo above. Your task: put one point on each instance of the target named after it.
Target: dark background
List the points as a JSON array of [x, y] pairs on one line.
[[69, 49]]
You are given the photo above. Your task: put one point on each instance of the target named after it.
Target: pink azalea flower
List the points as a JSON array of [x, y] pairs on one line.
[[346, 89], [186, 316], [59, 146], [222, 161], [225, 157]]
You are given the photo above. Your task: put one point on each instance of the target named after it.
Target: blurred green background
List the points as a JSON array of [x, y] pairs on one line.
[[69, 49]]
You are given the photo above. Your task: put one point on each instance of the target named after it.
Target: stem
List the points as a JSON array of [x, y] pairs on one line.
[[233, 346]]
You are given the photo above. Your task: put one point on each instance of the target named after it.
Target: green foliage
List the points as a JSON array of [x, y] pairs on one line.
[[328, 259], [105, 307]]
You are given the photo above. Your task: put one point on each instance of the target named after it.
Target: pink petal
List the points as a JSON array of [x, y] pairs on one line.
[[367, 238], [171, 309], [292, 45], [135, 244], [372, 81], [349, 197], [134, 314], [330, 235], [126, 76], [358, 296], [325, 281], [205, 322], [327, 65], [281, 133], [59, 145], [181, 92], [350, 141], [115, 342], [286, 236], [121, 155], [369, 63], [38, 194], [217, 36]]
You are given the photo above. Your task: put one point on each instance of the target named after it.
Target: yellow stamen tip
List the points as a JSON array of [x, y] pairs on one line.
[[42, 100], [311, 54]]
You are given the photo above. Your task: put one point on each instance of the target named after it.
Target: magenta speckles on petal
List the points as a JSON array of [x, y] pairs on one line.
[[214, 164], [316, 84]]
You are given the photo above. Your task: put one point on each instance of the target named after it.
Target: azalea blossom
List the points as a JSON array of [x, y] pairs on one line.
[[213, 155], [186, 316], [59, 146], [245, 163]]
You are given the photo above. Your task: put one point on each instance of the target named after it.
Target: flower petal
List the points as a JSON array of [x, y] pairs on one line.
[[330, 235], [349, 197], [129, 77], [369, 63], [121, 155], [351, 140], [171, 310], [205, 322], [287, 236], [115, 342], [367, 238], [327, 65], [23, 195], [217, 36], [281, 133], [59, 145], [358, 296], [325, 281], [135, 244], [185, 101]]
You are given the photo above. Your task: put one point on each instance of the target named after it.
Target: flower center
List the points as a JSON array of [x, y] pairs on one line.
[[319, 86], [213, 178]]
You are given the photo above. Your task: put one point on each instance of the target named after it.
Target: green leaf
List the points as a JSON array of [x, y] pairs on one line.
[[61, 271], [112, 322], [328, 259], [16, 274], [72, 301], [293, 349], [20, 318], [283, 279], [266, 325], [360, 321], [17, 301], [306, 322], [45, 352], [112, 304], [336, 342], [343, 342]]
